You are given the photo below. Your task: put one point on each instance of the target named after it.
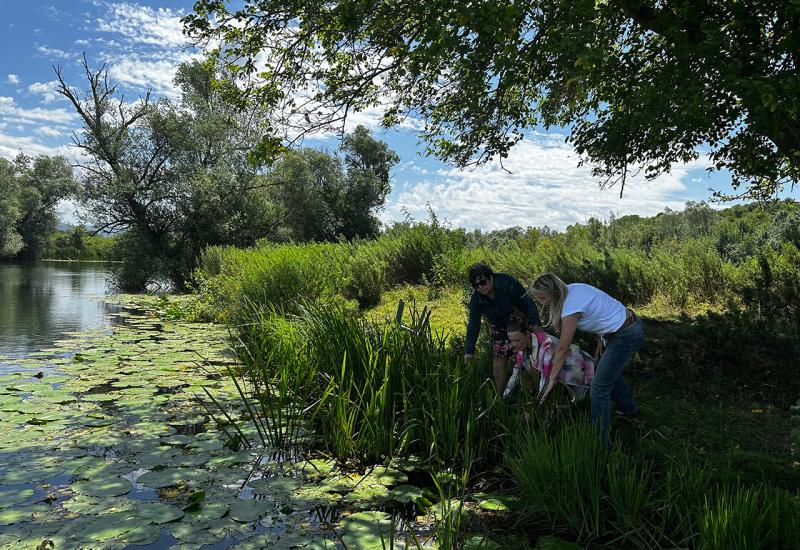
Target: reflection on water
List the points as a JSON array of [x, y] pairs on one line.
[[40, 302]]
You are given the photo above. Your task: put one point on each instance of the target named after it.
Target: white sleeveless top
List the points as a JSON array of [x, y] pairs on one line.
[[600, 313]]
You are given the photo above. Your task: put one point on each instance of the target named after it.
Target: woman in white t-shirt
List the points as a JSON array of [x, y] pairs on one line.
[[583, 307]]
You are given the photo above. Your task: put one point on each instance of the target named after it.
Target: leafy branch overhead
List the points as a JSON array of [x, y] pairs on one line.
[[638, 83]]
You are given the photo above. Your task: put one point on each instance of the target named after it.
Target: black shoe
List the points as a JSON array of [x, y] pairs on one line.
[[633, 414]]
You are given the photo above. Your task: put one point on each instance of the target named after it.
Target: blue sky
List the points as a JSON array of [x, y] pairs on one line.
[[141, 44]]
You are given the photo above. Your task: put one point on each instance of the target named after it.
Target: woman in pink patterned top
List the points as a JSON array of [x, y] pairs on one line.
[[535, 350]]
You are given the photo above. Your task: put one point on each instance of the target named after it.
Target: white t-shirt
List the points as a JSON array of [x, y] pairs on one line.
[[600, 313]]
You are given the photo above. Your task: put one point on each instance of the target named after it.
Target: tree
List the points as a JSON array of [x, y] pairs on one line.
[[44, 182], [324, 197], [639, 83], [10, 240], [306, 184], [175, 177], [31, 191], [367, 183]]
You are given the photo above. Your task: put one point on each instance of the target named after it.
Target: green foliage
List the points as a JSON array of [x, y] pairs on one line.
[[365, 275], [77, 244], [369, 389], [562, 475], [270, 275], [32, 189], [322, 197], [637, 83], [740, 518], [574, 484], [412, 249]]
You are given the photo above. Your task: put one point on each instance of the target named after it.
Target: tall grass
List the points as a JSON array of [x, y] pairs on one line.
[[561, 475], [369, 390], [278, 386], [739, 518]]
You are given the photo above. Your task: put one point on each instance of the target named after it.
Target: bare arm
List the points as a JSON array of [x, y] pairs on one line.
[[568, 326]]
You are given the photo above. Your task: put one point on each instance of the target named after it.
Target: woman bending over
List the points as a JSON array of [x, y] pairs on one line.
[[535, 350], [619, 330]]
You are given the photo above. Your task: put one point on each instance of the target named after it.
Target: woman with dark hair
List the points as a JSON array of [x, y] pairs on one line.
[[619, 330], [496, 296]]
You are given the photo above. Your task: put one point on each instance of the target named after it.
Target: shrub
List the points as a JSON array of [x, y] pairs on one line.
[[365, 275]]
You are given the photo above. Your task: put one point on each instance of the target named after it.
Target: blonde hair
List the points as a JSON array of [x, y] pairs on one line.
[[552, 286]]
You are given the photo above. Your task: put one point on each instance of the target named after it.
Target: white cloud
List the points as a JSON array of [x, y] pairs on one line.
[[144, 46], [46, 89], [15, 114], [12, 79], [11, 146], [147, 73], [144, 25], [544, 187], [54, 52], [49, 131]]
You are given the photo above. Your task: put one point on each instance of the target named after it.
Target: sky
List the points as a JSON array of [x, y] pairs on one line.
[[141, 44]]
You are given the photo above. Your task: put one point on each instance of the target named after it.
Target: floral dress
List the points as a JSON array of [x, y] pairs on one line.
[[576, 374]]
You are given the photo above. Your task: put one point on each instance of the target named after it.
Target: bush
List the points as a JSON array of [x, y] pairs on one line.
[[411, 250], [365, 275], [271, 275]]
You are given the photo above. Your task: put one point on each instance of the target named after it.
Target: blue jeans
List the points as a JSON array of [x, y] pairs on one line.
[[607, 383]]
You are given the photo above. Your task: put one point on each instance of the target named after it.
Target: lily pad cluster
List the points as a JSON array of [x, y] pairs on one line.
[[104, 443]]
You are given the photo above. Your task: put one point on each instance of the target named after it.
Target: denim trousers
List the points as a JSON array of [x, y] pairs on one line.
[[607, 383]]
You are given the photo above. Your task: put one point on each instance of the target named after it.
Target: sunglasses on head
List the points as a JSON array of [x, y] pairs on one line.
[[482, 282]]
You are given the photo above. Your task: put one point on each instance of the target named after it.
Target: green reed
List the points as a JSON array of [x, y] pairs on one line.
[[277, 385], [562, 476], [739, 518]]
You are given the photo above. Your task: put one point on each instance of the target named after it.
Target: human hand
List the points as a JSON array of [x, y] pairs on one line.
[[599, 349], [551, 383], [468, 357]]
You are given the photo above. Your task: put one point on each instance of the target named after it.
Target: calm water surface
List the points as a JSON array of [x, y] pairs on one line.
[[41, 302]]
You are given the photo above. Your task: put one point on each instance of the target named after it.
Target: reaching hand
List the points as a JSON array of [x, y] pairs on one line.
[[551, 383]]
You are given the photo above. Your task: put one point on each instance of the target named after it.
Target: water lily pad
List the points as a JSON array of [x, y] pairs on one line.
[[167, 477], [177, 440], [246, 511], [103, 487], [19, 514], [198, 533], [316, 467], [142, 535], [480, 542], [85, 504], [312, 496], [156, 512], [31, 475], [277, 487], [97, 422], [207, 511], [496, 501], [11, 497], [103, 528], [404, 493], [45, 418], [366, 530]]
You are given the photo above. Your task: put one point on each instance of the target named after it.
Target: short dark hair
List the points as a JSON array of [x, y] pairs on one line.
[[479, 271]]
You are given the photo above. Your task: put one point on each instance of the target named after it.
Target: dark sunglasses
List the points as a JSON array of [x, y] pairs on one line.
[[482, 282]]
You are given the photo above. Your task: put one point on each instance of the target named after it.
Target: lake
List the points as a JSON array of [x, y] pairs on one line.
[[40, 303]]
